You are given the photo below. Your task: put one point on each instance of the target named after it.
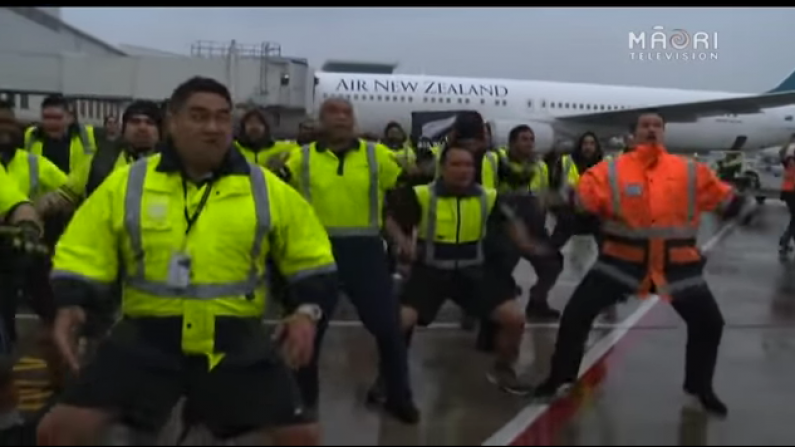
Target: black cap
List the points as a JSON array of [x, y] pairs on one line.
[[469, 125]]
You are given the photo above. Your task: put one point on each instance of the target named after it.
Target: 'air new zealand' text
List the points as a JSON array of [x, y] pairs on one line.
[[424, 88]]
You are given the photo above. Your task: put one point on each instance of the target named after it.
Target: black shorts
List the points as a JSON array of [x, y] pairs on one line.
[[142, 387], [478, 291]]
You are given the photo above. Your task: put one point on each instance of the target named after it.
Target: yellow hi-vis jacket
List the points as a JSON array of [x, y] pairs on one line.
[[536, 170], [348, 193], [135, 223], [10, 195], [34, 175], [83, 144], [262, 156]]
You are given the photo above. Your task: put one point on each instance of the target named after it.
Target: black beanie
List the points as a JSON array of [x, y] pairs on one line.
[[149, 109]]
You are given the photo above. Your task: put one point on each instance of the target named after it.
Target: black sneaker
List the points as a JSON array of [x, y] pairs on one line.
[[708, 402], [540, 310], [506, 379], [405, 412]]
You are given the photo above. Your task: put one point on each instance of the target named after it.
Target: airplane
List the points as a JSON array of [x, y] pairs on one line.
[[697, 121]]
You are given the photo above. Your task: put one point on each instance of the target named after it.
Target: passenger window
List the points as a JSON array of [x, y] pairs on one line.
[[378, 97], [482, 101], [529, 104], [551, 105]]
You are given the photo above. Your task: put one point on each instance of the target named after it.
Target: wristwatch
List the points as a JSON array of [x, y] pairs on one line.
[[313, 311]]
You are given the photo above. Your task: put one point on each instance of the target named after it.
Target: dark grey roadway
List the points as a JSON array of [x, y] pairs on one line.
[[632, 397]]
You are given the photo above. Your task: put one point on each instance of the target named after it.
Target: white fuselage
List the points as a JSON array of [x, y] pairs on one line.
[[379, 99]]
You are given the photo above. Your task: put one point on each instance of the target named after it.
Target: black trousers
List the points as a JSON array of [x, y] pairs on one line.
[[696, 306], [569, 224], [789, 232]]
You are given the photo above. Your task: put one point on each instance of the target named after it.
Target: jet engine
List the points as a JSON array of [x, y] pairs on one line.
[[500, 129]]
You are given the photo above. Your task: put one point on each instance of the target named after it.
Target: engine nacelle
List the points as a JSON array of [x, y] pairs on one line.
[[500, 129]]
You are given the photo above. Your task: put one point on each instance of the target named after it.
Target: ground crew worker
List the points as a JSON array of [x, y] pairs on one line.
[[649, 232], [17, 211], [254, 139], [63, 143], [395, 138], [521, 172], [345, 179], [730, 168], [788, 196], [586, 155], [451, 216], [33, 176], [193, 299], [140, 134]]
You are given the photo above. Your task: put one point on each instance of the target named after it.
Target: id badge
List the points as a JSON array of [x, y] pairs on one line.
[[179, 271]]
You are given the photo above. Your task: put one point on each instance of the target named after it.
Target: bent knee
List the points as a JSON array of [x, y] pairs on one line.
[[408, 318], [510, 316], [67, 425]]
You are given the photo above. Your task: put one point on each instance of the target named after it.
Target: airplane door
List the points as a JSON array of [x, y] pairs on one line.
[[739, 142]]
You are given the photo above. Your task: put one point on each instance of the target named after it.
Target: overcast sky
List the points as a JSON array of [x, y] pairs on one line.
[[756, 47]]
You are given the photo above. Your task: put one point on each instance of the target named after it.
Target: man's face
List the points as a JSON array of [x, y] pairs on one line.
[[254, 128], [336, 119], [202, 128], [459, 168], [112, 126], [588, 147], [395, 134], [54, 120], [141, 132], [650, 129], [10, 132], [524, 144]]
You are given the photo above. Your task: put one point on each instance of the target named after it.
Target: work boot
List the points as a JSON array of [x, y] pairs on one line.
[[406, 412], [505, 378], [539, 310], [708, 402]]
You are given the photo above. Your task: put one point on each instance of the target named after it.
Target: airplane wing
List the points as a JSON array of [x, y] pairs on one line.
[[688, 112]]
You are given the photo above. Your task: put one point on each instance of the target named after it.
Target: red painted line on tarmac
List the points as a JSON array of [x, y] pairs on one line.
[[538, 424]]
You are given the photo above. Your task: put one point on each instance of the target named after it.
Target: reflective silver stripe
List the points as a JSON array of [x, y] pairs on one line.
[[616, 227], [679, 286], [88, 148], [65, 274], [616, 274], [430, 234], [373, 228], [303, 274], [33, 173], [564, 181], [133, 205]]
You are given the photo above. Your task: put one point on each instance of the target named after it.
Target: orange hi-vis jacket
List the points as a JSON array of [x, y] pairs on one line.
[[788, 183], [650, 203]]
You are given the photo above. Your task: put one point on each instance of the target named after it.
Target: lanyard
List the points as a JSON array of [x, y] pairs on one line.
[[206, 195]]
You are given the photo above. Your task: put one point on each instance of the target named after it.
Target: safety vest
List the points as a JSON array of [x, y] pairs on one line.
[[569, 173], [34, 175], [488, 172], [405, 155], [10, 195], [452, 229], [261, 157], [535, 172], [82, 144], [788, 182], [652, 244], [148, 207], [348, 202]]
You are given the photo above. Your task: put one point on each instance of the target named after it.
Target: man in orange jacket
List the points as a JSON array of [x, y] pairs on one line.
[[788, 196], [650, 203]]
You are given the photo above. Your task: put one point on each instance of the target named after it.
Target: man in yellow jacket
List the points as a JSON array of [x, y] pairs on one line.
[[187, 233], [254, 141]]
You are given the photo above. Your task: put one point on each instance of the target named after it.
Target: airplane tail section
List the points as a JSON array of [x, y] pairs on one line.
[[787, 85]]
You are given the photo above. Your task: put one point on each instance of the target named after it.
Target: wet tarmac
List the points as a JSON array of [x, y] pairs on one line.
[[630, 392]]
